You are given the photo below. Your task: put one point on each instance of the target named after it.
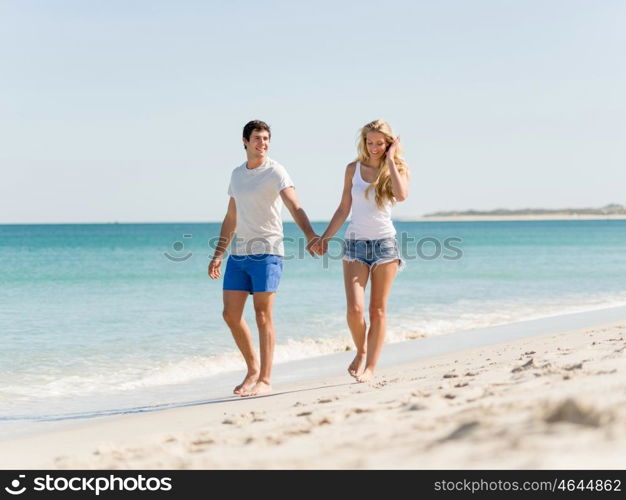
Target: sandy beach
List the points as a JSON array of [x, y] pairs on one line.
[[556, 400]]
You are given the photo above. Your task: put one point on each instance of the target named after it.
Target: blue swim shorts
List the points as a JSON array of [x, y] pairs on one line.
[[253, 273], [372, 252]]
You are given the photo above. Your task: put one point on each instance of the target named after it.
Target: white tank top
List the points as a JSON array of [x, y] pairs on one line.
[[368, 222]]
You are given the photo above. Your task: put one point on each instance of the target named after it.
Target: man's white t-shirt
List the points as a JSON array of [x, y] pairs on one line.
[[257, 195]]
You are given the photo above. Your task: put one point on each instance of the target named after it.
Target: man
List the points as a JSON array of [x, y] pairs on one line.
[[256, 263]]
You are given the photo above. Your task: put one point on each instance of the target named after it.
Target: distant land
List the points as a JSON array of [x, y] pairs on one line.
[[611, 211]]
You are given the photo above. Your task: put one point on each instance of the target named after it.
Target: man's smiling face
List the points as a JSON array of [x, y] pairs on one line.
[[258, 145]]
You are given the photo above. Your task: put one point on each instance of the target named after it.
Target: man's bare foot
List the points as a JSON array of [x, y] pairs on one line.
[[259, 388], [247, 383], [366, 376], [355, 366]]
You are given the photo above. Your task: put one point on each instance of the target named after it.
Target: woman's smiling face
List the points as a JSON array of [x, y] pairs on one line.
[[376, 145]]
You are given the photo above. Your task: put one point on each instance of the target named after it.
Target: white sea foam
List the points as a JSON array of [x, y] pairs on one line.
[[469, 317], [114, 378]]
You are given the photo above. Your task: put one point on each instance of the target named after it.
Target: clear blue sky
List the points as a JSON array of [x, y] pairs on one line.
[[132, 111]]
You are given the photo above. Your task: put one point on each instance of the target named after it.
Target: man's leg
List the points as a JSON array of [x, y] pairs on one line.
[[234, 302], [263, 303]]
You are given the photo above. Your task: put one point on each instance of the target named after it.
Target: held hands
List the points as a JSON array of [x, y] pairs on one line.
[[318, 246], [313, 244]]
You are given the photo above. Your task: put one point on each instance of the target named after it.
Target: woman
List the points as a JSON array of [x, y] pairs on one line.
[[372, 185]]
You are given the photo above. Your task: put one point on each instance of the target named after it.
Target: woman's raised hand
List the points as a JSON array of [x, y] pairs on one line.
[[393, 147]]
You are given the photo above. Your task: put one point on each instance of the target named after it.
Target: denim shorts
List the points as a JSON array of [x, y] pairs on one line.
[[372, 252], [253, 273]]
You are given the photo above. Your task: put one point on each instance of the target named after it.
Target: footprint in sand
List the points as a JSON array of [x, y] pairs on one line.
[[231, 421], [202, 441], [478, 393], [574, 412], [327, 400], [462, 431], [324, 421], [256, 416], [615, 354], [605, 372], [298, 432], [575, 366], [356, 411], [199, 446], [273, 440], [414, 407], [529, 364]]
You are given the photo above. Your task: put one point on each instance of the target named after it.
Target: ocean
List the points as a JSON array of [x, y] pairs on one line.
[[95, 318]]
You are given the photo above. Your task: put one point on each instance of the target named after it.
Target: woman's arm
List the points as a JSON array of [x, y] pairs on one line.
[[399, 182], [343, 210]]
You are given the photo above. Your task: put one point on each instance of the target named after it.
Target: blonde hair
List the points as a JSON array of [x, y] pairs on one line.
[[382, 185]]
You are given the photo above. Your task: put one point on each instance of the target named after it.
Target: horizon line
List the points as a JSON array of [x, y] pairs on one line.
[[451, 218]]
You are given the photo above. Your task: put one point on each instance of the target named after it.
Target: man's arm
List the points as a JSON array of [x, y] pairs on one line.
[[299, 215], [229, 225]]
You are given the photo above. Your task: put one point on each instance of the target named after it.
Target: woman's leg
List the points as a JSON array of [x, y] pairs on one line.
[[355, 275], [382, 279]]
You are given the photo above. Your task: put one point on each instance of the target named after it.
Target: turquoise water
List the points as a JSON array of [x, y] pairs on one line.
[[99, 313]]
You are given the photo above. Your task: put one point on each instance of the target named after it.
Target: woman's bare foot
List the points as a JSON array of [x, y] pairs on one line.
[[355, 366], [366, 376], [247, 383], [261, 387]]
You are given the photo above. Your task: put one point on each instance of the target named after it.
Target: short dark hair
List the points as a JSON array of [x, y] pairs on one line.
[[255, 125]]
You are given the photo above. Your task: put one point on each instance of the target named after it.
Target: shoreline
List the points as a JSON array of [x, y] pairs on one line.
[[301, 370], [576, 368]]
